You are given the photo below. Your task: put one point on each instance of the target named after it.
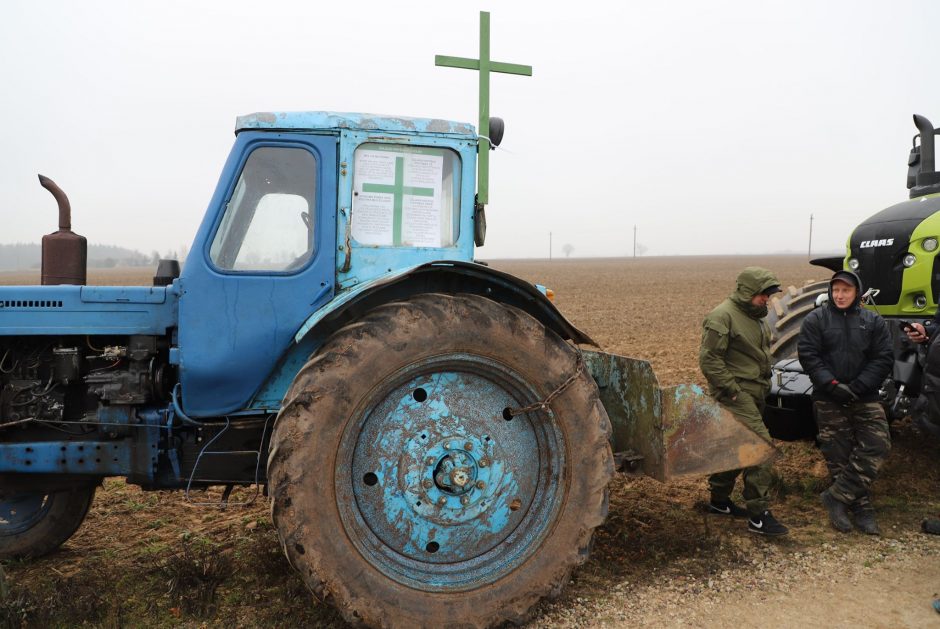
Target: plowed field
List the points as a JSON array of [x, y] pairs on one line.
[[153, 559]]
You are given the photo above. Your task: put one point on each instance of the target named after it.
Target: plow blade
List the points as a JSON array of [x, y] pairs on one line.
[[671, 432]]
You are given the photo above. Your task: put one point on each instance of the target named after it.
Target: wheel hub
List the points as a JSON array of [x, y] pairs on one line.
[[454, 479], [19, 512], [442, 487], [455, 472]]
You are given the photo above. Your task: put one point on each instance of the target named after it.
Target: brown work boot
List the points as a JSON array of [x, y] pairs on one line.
[[838, 515]]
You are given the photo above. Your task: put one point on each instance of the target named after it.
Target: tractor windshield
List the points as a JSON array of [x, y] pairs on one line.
[[406, 196]]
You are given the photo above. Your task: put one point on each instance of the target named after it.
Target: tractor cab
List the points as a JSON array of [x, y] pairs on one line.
[[312, 205]]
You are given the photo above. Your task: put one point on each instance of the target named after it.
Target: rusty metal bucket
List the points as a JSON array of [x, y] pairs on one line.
[[671, 432]]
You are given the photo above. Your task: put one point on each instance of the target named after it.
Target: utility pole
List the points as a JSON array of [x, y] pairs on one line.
[[634, 242], [809, 250], [549, 245]]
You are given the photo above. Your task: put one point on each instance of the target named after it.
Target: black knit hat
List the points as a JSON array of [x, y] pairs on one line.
[[845, 276]]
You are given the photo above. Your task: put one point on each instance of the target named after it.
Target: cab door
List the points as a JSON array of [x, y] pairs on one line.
[[263, 261]]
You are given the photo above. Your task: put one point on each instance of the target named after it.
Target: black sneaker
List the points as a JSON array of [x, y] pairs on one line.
[[726, 507], [766, 524]]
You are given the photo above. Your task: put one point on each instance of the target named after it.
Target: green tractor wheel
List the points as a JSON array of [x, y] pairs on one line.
[[789, 413], [409, 487]]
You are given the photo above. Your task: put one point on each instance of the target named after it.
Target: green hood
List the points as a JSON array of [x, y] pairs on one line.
[[752, 281]]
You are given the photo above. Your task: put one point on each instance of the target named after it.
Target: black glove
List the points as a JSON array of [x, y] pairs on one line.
[[842, 394]]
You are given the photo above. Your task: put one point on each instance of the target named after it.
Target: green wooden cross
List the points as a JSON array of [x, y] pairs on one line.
[[398, 190], [485, 66]]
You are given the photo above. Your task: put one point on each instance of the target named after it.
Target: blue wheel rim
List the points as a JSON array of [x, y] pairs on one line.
[[20, 512], [438, 489]]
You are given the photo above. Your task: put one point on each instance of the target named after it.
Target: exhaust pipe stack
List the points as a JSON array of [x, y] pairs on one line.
[[922, 177], [64, 253]]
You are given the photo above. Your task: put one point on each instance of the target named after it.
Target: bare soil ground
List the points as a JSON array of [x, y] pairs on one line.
[[153, 559]]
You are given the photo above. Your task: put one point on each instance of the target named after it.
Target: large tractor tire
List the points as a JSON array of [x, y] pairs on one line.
[[33, 524], [789, 413], [404, 489], [786, 314]]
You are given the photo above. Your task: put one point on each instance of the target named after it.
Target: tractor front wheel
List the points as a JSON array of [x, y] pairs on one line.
[[406, 490], [34, 523]]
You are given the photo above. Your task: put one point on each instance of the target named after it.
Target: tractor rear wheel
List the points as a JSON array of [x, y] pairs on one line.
[[34, 523], [405, 490], [786, 314], [789, 413]]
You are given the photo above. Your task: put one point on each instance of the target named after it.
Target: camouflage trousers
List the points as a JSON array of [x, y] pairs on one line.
[[747, 408], [855, 441]]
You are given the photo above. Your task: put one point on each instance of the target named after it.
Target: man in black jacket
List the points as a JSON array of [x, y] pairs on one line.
[[926, 411], [847, 352]]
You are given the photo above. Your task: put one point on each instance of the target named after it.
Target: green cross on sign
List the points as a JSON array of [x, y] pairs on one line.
[[485, 65], [398, 190]]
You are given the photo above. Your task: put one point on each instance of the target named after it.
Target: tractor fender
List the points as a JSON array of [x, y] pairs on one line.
[[449, 277], [833, 263], [444, 277]]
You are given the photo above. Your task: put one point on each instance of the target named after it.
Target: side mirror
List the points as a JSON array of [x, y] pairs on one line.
[[913, 165], [497, 128]]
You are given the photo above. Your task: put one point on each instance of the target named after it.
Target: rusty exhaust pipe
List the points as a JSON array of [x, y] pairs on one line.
[[64, 253], [65, 208]]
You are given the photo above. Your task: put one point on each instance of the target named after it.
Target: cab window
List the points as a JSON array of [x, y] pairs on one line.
[[405, 196], [269, 221]]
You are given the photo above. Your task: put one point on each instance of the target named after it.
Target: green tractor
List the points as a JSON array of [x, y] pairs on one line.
[[894, 252]]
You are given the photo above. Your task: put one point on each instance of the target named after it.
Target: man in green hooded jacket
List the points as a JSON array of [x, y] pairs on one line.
[[735, 359]]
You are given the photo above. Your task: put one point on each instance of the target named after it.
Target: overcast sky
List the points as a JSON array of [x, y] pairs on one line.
[[714, 127]]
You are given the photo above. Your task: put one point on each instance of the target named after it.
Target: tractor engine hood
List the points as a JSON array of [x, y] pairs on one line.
[[80, 310], [881, 242]]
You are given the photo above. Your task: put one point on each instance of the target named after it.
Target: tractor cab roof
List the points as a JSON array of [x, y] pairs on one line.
[[338, 121]]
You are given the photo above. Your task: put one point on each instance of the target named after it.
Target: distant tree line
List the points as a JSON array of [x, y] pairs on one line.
[[22, 256]]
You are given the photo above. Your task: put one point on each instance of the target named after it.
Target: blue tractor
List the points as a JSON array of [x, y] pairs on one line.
[[435, 438]]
